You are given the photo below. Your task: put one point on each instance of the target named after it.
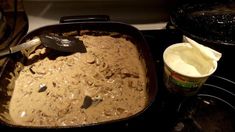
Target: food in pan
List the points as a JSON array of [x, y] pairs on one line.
[[108, 82]]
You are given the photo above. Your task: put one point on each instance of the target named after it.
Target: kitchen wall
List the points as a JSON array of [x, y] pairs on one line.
[[130, 11]]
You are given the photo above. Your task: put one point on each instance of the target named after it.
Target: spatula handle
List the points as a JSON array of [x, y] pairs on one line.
[[26, 45], [5, 52]]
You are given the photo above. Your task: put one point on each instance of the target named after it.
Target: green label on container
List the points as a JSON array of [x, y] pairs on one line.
[[183, 83]]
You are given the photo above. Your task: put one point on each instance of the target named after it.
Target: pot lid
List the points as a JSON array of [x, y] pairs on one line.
[[212, 22]]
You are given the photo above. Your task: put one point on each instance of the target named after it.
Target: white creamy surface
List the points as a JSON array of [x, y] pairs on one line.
[[178, 64], [185, 59]]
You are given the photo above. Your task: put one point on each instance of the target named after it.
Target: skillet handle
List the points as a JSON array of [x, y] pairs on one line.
[[84, 18]]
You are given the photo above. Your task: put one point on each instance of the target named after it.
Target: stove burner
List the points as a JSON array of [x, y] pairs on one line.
[[212, 109], [205, 114]]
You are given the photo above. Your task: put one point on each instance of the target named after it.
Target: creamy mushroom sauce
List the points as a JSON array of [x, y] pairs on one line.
[[107, 82]]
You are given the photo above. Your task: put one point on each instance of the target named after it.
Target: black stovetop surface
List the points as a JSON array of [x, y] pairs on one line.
[[162, 115]]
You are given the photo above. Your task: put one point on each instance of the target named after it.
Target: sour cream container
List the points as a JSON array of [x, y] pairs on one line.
[[187, 66]]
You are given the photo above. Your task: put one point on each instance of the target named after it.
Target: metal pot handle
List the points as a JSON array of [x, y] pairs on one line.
[[84, 18]]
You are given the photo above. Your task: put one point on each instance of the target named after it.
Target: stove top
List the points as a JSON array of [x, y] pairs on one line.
[[171, 112]]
